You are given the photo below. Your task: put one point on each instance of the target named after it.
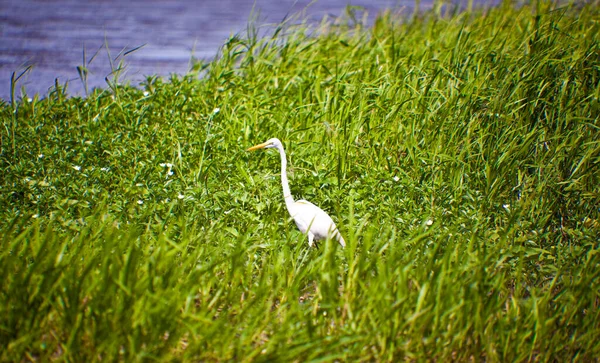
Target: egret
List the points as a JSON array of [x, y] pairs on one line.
[[310, 219]]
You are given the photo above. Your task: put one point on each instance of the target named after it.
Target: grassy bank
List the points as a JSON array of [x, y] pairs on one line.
[[458, 155]]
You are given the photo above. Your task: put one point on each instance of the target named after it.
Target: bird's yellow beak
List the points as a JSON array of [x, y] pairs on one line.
[[259, 146]]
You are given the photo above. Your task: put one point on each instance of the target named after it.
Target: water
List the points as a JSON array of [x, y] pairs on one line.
[[51, 35]]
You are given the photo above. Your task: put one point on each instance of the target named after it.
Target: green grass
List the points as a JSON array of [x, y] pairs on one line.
[[458, 154]]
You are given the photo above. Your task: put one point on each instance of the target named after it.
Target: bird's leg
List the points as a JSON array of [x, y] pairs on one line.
[[311, 238]]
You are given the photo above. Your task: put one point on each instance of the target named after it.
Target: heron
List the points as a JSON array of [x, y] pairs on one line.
[[310, 219]]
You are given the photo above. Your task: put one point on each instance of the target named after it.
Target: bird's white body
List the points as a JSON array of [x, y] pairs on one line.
[[310, 219], [314, 222]]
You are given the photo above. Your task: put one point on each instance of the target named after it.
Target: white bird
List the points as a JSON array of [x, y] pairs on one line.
[[309, 218]]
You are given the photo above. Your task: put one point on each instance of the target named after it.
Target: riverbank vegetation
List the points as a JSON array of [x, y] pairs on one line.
[[458, 154]]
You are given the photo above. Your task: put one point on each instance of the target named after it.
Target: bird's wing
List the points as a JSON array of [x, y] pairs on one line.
[[308, 215]]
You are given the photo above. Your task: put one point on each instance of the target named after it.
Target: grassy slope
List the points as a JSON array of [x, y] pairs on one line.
[[484, 124]]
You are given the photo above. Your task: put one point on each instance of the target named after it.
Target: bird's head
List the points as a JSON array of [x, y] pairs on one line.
[[274, 142]]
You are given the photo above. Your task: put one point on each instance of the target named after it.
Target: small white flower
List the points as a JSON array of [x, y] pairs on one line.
[[170, 172], [139, 185], [162, 164], [169, 165], [506, 206], [140, 202], [36, 216], [40, 156], [396, 178], [180, 196], [77, 167], [29, 99], [216, 110], [104, 169], [146, 93], [429, 222]]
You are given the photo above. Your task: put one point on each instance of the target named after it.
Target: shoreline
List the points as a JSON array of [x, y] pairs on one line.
[[56, 47]]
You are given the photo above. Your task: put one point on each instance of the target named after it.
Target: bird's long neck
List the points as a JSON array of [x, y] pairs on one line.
[[287, 195]]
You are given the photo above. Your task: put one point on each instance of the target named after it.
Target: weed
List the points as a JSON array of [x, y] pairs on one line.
[[458, 154]]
